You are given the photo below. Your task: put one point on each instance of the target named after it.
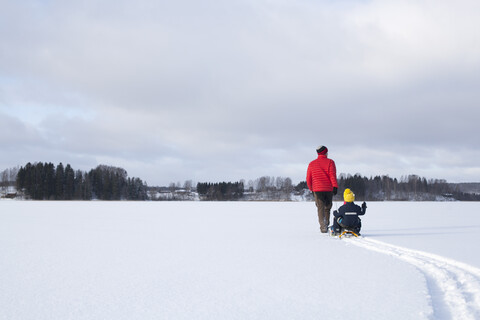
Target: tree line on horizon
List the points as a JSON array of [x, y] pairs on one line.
[[385, 188], [220, 190], [411, 187], [378, 188], [45, 181]]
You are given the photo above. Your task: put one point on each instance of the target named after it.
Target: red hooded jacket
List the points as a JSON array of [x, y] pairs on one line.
[[322, 174]]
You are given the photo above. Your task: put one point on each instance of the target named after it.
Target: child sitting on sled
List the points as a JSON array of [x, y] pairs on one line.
[[347, 216]]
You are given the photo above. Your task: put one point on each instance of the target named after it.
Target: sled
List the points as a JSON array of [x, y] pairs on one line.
[[348, 233]]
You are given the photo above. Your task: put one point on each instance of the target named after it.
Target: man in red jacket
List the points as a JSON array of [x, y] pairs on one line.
[[322, 181]]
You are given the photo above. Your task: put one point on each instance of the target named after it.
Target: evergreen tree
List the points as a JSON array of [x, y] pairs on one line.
[[69, 187], [49, 181], [38, 187], [60, 182]]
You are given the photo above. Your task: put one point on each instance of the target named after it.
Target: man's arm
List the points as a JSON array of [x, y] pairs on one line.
[[333, 174], [309, 177]]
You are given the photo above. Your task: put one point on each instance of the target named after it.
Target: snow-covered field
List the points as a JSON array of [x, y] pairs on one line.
[[236, 260]]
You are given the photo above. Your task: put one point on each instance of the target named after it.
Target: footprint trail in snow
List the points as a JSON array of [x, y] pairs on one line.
[[454, 286]]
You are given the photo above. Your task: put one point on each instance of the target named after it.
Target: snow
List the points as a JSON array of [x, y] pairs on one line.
[[236, 260]]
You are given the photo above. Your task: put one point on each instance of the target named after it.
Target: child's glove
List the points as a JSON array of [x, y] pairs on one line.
[[364, 205]]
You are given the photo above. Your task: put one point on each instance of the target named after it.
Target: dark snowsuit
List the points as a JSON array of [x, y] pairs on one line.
[[347, 217]]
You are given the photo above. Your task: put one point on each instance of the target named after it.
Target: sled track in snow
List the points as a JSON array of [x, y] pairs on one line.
[[454, 286]]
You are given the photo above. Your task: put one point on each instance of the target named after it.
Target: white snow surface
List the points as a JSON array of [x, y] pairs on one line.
[[236, 260]]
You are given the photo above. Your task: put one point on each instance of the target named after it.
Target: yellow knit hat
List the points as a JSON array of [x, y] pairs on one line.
[[348, 195]]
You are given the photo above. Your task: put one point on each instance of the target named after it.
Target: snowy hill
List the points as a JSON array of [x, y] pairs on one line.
[[236, 260]]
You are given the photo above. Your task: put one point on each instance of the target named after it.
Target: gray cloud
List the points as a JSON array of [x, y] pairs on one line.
[[207, 90]]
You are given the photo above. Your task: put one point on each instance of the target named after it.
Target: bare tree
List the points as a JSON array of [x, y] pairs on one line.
[[4, 181], [188, 185], [279, 183]]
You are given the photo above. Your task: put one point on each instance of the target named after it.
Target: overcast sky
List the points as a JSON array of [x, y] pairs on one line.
[[239, 89]]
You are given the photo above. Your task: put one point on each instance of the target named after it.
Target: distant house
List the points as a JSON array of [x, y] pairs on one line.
[[11, 195]]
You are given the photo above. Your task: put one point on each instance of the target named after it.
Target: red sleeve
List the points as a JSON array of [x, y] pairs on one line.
[[309, 177], [333, 174]]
